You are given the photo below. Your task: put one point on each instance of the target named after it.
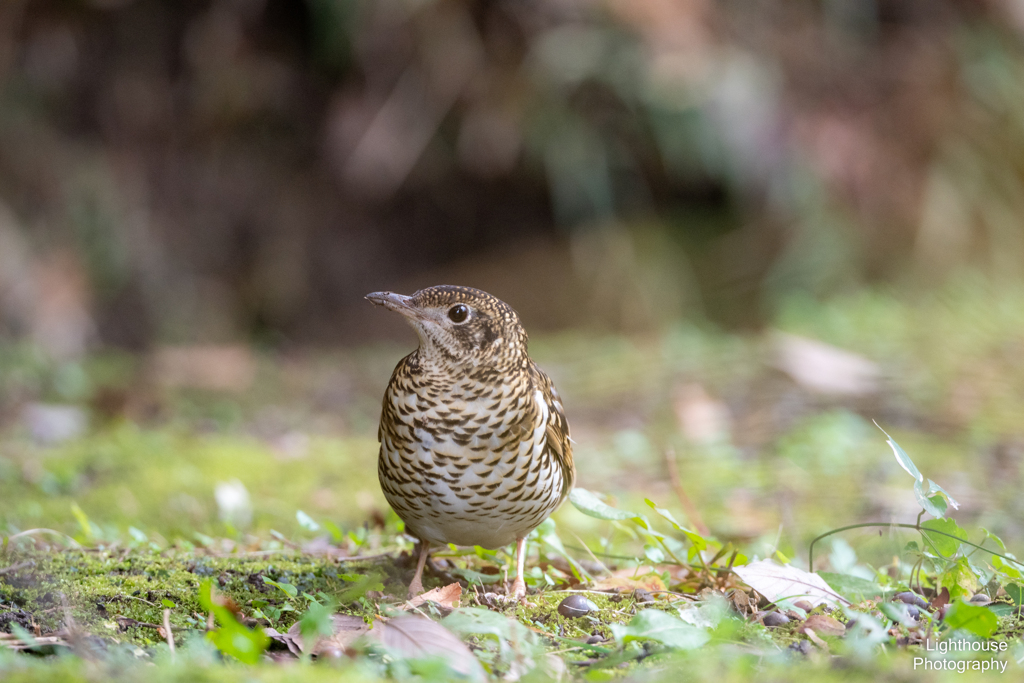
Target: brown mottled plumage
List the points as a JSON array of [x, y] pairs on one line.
[[474, 445]]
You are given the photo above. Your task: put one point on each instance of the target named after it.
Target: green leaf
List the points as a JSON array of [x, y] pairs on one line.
[[653, 624], [696, 539], [592, 506], [998, 541], [366, 583], [1006, 569], [945, 545], [168, 604], [960, 579], [306, 522], [972, 618], [940, 504], [232, 638], [896, 611], [476, 577], [902, 458], [853, 588], [926, 503], [934, 499], [1015, 591], [935, 488], [1001, 609], [290, 590], [316, 623], [336, 532]]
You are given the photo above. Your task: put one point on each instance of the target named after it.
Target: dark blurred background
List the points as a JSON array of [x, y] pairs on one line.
[[205, 171]]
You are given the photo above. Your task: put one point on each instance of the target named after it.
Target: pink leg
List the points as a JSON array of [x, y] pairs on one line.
[[416, 587], [518, 589]]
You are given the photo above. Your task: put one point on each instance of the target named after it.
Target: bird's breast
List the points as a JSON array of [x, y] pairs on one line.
[[465, 463]]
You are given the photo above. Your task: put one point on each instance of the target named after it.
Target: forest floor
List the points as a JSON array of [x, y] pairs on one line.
[[226, 501]]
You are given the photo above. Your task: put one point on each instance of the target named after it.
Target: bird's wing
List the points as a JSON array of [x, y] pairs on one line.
[[556, 435], [387, 409]]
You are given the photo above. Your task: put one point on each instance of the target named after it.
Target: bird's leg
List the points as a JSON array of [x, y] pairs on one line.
[[518, 590], [416, 587]]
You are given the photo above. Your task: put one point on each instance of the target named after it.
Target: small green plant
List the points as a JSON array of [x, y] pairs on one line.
[[232, 638], [659, 547], [945, 559]]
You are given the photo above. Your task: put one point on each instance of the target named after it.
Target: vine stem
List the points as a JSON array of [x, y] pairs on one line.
[[916, 527]]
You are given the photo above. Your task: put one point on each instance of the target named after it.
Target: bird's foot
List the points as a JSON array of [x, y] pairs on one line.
[[516, 594], [415, 588]]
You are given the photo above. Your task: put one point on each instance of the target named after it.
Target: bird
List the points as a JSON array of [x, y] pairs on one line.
[[474, 441]]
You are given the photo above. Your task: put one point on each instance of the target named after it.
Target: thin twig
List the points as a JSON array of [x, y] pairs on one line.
[[168, 633], [135, 597], [16, 567], [684, 500]]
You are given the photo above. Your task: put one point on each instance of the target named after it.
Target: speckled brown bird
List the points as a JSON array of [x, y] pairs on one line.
[[474, 444]]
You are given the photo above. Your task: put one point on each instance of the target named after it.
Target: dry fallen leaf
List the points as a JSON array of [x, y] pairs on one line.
[[825, 369], [628, 580], [446, 596], [414, 637], [702, 419], [741, 601], [283, 638], [776, 582], [824, 625], [941, 599]]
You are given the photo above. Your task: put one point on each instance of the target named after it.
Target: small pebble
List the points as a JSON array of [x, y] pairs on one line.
[[775, 619], [576, 606], [980, 599], [594, 640], [804, 605], [911, 598], [642, 596]]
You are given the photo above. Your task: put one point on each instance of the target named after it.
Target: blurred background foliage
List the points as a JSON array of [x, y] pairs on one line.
[[196, 171], [656, 185]]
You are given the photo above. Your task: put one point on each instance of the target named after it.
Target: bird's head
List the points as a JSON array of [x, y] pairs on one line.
[[460, 324]]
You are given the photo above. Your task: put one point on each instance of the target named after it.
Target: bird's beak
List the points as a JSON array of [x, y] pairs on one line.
[[399, 303]]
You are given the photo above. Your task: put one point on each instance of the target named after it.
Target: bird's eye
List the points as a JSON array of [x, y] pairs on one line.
[[458, 313]]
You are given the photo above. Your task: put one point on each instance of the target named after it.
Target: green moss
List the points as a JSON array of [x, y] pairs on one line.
[[105, 590]]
